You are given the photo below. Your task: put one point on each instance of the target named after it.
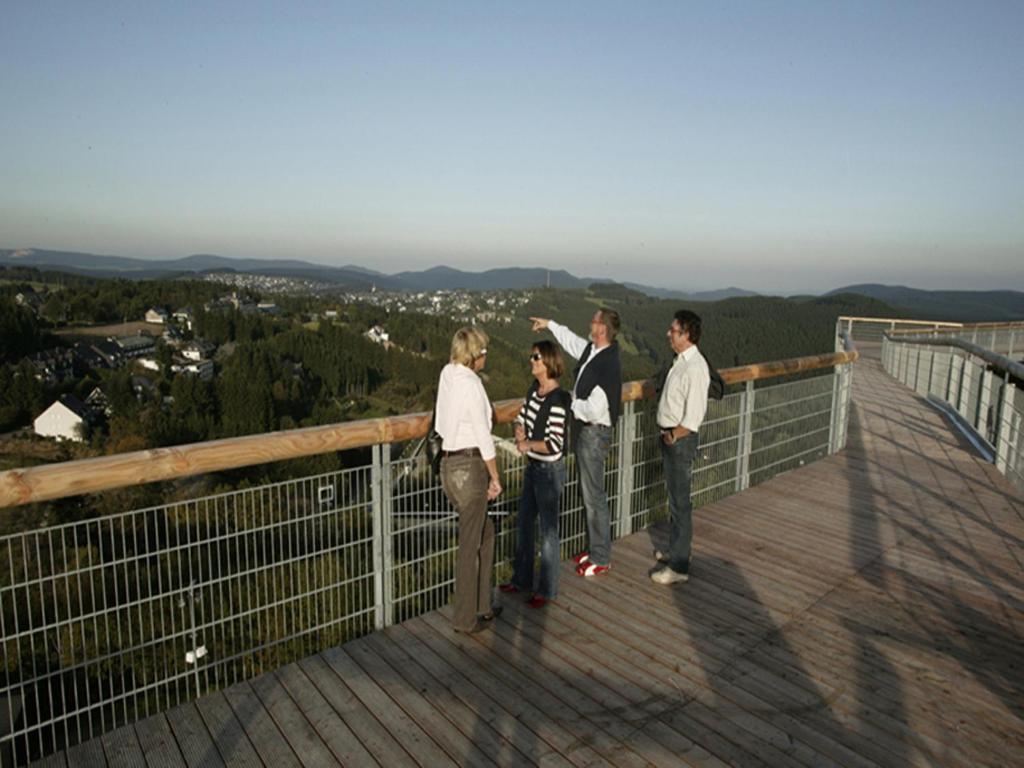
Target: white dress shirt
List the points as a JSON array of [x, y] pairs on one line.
[[463, 416], [594, 409], [684, 401]]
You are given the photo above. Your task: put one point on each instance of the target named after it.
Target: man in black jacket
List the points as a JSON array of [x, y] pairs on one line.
[[596, 402]]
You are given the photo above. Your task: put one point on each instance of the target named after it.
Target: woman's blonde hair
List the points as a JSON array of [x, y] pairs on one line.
[[468, 344]]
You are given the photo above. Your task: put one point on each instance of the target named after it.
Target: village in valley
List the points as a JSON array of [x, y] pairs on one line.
[[164, 343]]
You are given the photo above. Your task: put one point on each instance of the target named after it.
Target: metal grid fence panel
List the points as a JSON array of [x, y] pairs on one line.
[[109, 620], [990, 402]]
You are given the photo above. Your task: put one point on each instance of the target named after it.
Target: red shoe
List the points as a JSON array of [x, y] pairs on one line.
[[581, 558], [509, 588], [592, 569], [537, 601]]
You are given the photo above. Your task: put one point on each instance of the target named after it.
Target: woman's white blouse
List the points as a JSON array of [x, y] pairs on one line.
[[463, 411]]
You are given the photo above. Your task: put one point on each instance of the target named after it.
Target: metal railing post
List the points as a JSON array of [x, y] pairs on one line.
[[931, 372], [833, 421], [949, 377], [383, 576], [744, 437], [1001, 440], [984, 400], [627, 437], [960, 386], [844, 421]]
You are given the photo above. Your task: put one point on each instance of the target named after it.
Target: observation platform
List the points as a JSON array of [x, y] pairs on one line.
[[864, 610]]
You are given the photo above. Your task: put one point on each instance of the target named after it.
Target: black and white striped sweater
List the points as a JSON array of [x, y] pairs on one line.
[[544, 418]]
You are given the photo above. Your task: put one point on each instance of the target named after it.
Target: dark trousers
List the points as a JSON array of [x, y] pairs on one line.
[[540, 503], [677, 462], [464, 479]]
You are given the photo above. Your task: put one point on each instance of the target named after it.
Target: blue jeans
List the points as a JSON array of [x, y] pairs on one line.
[[592, 445], [677, 462], [542, 491]]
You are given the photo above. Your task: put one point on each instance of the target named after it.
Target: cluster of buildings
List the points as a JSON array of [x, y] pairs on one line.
[[462, 306], [269, 283], [65, 418]]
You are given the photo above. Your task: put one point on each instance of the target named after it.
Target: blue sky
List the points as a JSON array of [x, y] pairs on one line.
[[778, 146]]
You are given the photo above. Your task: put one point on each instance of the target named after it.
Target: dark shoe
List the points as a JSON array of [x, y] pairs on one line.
[[509, 588], [537, 601], [478, 626]]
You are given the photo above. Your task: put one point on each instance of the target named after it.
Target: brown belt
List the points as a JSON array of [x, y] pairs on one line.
[[463, 452]]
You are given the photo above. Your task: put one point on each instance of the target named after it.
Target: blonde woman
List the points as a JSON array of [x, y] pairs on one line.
[[469, 475]]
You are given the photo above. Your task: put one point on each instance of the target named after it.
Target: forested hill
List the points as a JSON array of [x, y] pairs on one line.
[[956, 306], [736, 331]]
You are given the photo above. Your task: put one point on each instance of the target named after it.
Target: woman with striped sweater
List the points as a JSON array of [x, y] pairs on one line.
[[540, 435]]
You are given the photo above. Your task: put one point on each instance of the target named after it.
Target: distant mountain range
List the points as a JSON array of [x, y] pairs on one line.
[[955, 306], [350, 276], [940, 305]]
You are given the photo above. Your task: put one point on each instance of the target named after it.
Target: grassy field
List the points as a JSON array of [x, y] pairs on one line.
[[114, 329]]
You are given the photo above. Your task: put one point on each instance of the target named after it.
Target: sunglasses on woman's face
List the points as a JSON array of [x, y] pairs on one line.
[[536, 356]]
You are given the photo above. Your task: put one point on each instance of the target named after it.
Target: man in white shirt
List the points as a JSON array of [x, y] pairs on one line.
[[681, 411], [596, 403]]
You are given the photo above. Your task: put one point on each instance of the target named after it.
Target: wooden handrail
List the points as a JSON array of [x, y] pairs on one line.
[[104, 473]]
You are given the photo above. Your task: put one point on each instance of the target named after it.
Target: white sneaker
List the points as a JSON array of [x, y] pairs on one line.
[[668, 577]]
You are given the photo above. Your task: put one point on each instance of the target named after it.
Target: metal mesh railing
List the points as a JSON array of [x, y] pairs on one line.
[[108, 620], [873, 329], [1002, 338], [985, 399]]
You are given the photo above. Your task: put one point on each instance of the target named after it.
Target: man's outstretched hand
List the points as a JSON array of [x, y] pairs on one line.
[[539, 323]]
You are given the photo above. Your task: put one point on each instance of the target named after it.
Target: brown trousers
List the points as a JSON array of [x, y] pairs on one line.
[[464, 479]]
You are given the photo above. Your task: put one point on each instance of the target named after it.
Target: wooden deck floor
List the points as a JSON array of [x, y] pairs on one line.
[[865, 610]]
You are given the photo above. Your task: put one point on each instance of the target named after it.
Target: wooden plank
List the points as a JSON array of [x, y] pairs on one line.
[[683, 659], [263, 733], [122, 748], [225, 730], [157, 742], [55, 760], [511, 675], [481, 701], [338, 737], [456, 744], [303, 738], [468, 709], [193, 738], [631, 656], [371, 733], [418, 744], [632, 725], [227, 733]]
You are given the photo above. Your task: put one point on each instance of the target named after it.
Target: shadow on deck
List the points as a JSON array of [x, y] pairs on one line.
[[865, 610]]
